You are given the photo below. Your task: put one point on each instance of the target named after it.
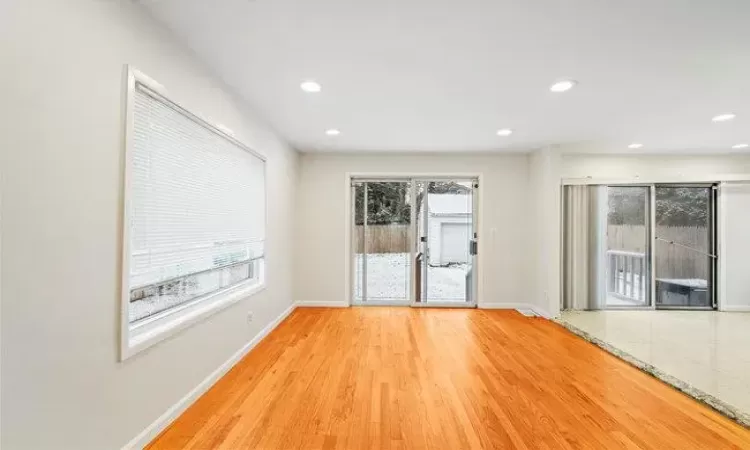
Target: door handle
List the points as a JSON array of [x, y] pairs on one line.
[[473, 247]]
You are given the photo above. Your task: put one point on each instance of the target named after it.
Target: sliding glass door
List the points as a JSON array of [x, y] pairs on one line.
[[685, 246], [647, 246], [414, 242]]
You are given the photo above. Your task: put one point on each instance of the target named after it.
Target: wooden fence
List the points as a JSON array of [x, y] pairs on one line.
[[383, 239], [672, 261]]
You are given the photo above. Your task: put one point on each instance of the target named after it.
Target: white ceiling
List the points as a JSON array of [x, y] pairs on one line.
[[444, 75]]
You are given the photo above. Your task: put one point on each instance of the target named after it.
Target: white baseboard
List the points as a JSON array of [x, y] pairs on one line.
[[735, 308], [147, 435], [527, 306], [321, 305], [541, 312]]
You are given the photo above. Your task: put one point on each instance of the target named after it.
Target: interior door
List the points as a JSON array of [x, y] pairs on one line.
[[447, 243]]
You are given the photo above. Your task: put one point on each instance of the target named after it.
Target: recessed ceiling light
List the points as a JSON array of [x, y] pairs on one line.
[[562, 86], [310, 86], [504, 132], [741, 146], [333, 132], [723, 117], [635, 145]]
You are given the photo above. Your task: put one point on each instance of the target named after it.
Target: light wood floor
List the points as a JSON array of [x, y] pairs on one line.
[[401, 378]]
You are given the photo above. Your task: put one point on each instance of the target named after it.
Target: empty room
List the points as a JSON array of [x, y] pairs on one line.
[[330, 224]]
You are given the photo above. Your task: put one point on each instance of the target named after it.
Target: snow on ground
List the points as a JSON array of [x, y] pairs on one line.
[[388, 276], [189, 289]]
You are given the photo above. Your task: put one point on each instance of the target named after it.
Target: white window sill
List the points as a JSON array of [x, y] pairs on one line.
[[142, 336]]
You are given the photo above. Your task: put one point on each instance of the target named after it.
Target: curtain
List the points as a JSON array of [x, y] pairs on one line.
[[584, 225]]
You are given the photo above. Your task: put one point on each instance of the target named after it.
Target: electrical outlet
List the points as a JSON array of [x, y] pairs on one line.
[[249, 316]]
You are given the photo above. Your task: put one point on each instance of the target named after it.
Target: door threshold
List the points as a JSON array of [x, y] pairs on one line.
[[373, 303], [443, 305], [685, 308]]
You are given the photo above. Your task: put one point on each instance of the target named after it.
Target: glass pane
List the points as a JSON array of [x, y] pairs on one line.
[[152, 299], [626, 256], [387, 244], [358, 239], [448, 229], [683, 245], [421, 274]]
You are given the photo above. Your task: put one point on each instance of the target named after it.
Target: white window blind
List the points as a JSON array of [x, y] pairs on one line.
[[196, 209]]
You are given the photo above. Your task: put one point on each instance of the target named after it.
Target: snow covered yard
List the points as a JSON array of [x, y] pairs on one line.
[[389, 274]]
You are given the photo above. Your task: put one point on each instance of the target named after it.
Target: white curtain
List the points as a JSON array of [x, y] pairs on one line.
[[584, 225]]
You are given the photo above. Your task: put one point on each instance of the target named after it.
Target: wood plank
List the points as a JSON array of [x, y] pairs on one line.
[[403, 378]]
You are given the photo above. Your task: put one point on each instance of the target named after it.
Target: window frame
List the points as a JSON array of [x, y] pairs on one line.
[[149, 331]]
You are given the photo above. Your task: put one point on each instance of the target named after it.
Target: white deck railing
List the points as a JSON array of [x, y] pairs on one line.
[[626, 275]]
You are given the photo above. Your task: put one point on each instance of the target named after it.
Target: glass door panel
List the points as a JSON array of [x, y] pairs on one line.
[[627, 249], [447, 242], [382, 242], [684, 253]]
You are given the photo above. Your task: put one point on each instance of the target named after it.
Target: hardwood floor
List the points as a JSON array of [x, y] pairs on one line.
[[401, 378]]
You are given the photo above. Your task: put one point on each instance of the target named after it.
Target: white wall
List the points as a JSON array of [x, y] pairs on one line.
[[544, 242], [62, 162], [655, 168], [321, 270]]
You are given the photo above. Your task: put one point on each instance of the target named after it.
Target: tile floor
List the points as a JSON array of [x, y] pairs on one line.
[[708, 350]]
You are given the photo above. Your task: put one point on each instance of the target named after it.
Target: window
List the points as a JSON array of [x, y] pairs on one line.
[[195, 214]]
